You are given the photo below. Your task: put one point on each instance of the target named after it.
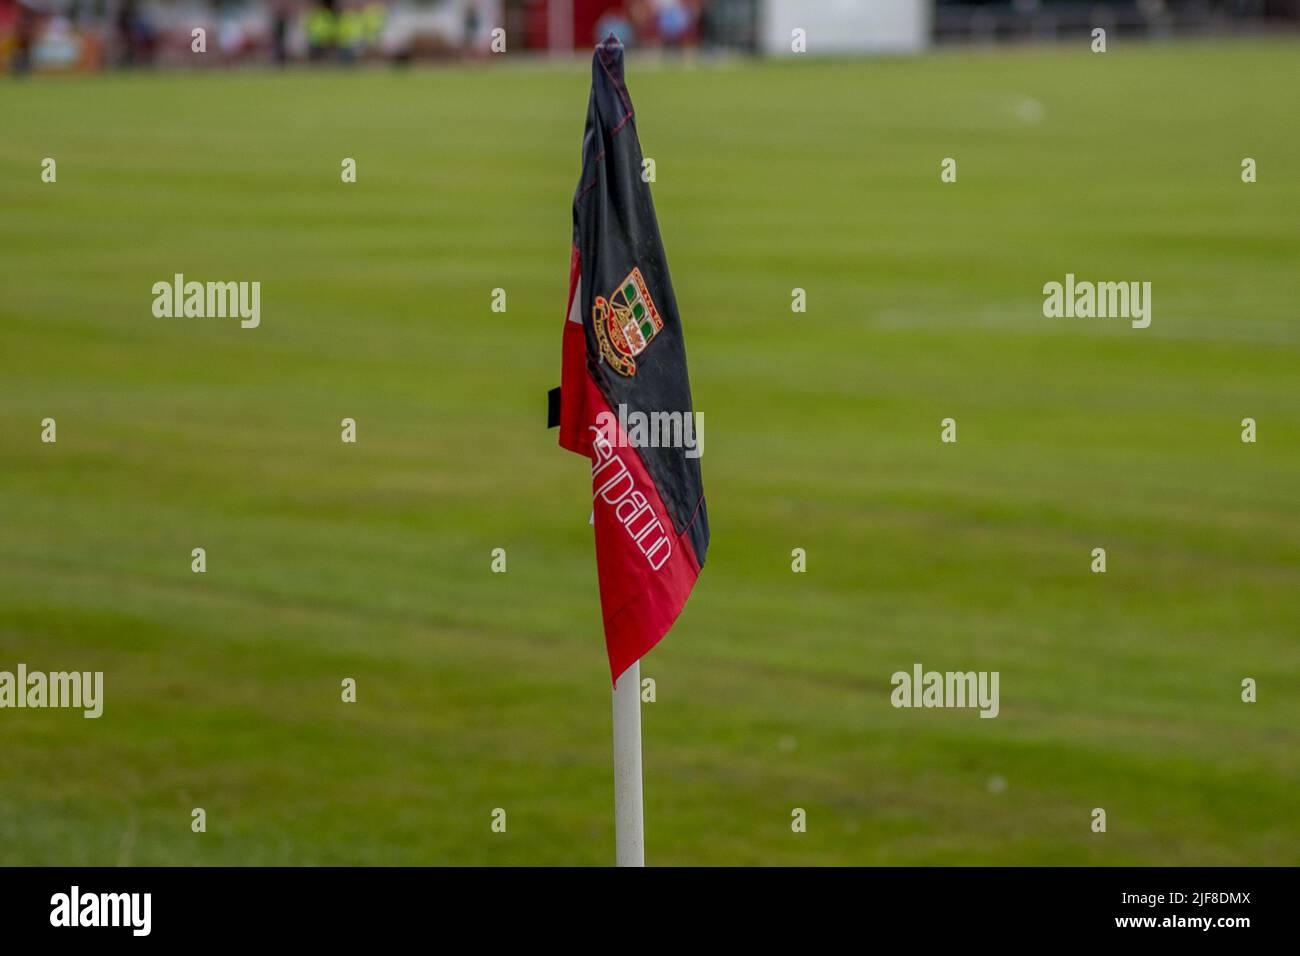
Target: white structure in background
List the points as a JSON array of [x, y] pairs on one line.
[[845, 26], [461, 23]]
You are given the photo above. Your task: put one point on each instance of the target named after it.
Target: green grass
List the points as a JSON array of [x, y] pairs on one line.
[[481, 690]]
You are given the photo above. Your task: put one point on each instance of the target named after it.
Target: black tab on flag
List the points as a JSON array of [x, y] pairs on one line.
[[553, 407]]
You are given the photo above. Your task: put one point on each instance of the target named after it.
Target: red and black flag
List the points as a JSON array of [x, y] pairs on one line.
[[623, 355]]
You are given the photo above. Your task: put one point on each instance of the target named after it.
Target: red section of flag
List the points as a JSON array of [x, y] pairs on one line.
[[574, 380]]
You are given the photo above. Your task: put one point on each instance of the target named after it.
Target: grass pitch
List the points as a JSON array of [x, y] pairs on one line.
[[480, 690]]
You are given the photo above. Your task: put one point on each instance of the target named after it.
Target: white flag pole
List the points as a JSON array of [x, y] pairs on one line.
[[629, 818]]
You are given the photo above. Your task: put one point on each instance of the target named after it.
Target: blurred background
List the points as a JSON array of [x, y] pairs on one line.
[[61, 35], [373, 561]]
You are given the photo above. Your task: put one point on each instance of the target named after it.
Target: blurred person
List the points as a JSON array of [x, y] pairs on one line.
[[351, 31], [374, 17], [135, 34], [674, 22], [27, 21], [471, 25], [322, 30], [281, 15], [617, 22], [230, 40]]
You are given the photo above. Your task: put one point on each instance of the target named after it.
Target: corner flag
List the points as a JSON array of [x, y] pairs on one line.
[[624, 354]]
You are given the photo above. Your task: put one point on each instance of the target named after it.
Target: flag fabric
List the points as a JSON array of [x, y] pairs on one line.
[[624, 353]]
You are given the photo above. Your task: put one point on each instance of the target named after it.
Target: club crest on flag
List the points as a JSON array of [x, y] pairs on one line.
[[625, 323]]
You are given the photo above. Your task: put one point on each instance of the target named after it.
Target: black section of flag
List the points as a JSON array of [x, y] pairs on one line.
[[635, 350]]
